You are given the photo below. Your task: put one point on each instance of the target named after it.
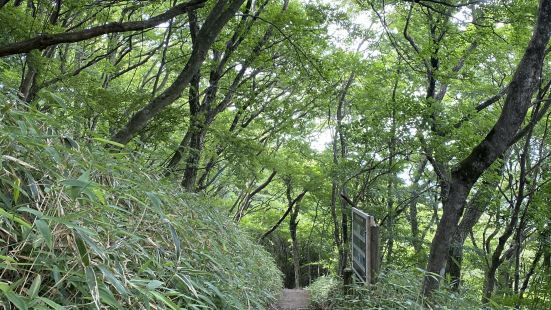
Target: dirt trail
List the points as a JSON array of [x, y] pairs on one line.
[[294, 300]]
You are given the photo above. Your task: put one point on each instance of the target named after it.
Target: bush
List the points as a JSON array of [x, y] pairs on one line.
[[395, 289], [82, 227], [324, 292]]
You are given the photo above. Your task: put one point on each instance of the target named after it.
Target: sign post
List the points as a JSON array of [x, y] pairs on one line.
[[365, 246]]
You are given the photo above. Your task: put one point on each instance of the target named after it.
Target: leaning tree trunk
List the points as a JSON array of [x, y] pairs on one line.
[[336, 228], [293, 224], [391, 176], [207, 110], [459, 183], [416, 241], [211, 28], [28, 88], [474, 210], [196, 145], [340, 134]]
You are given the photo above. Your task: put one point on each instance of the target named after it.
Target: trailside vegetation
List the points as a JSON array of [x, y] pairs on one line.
[[204, 153], [86, 227]]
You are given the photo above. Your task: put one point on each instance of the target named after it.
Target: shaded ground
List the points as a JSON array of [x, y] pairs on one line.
[[293, 300]]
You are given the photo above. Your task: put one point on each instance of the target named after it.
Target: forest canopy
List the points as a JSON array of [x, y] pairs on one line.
[[273, 118]]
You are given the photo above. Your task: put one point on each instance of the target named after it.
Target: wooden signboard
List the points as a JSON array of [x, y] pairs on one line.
[[365, 246]]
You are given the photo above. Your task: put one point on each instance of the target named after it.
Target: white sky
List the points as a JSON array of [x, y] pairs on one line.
[[321, 139]]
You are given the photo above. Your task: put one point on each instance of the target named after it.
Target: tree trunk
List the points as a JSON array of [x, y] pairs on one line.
[[336, 228], [530, 272], [196, 144], [218, 17], [473, 211], [293, 224], [247, 202], [28, 81], [29, 88], [391, 175], [339, 133], [456, 188], [518, 251], [291, 203], [206, 111], [415, 240], [345, 238], [3, 2], [180, 152]]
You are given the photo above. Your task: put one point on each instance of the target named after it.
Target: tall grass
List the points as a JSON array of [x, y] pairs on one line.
[[82, 227]]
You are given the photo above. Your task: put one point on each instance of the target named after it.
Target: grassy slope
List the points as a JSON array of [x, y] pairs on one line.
[[82, 227]]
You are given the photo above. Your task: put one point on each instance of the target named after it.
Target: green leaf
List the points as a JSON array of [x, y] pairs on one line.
[[54, 98], [16, 190], [155, 202], [70, 142], [31, 211], [213, 288], [53, 153], [108, 298], [92, 244], [35, 191], [109, 142], [160, 297], [112, 279], [14, 218], [14, 298], [46, 233], [51, 303], [7, 259], [187, 281], [80, 184], [82, 250], [154, 284], [93, 286], [35, 286], [175, 239]]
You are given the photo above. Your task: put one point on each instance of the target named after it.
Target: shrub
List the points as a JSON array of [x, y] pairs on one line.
[[395, 289], [324, 292], [82, 227]]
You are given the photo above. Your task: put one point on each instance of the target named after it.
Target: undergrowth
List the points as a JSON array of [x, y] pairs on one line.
[[395, 289], [83, 227]]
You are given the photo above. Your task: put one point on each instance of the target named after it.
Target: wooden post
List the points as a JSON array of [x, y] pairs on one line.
[[374, 253], [368, 274], [347, 280]]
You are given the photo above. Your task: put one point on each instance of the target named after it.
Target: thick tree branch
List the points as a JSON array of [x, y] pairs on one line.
[[295, 201], [215, 21], [45, 40]]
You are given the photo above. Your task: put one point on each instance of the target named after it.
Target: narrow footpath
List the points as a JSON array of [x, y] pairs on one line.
[[294, 300]]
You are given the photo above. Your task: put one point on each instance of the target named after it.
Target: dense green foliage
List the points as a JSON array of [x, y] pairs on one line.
[[162, 164], [84, 226], [396, 289]]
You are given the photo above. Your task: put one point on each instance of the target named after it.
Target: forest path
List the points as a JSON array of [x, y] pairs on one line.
[[294, 299]]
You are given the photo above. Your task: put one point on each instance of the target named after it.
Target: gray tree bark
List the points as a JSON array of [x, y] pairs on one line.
[[462, 178], [473, 211], [45, 40], [211, 28]]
